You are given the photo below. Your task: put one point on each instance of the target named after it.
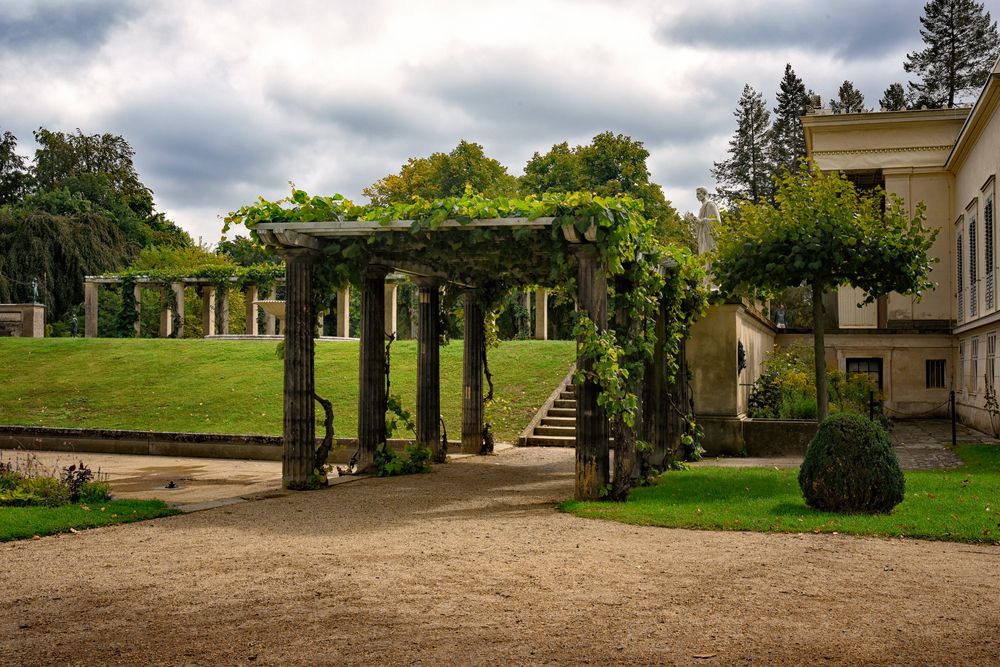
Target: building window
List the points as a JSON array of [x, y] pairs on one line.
[[961, 366], [871, 366], [973, 275], [935, 374], [991, 358], [960, 276], [988, 250], [974, 365]]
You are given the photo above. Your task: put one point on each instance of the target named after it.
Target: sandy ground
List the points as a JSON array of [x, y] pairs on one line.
[[471, 564]]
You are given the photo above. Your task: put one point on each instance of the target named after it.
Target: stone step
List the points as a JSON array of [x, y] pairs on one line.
[[551, 441], [567, 395], [559, 421], [563, 412], [560, 403], [567, 431]]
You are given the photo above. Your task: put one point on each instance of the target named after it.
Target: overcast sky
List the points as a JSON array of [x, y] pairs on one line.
[[226, 100]]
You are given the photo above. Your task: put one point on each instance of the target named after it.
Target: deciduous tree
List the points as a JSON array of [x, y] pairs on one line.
[[823, 233], [962, 44], [14, 174]]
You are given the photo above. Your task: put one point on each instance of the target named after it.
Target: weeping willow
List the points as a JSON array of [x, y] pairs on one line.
[[57, 251]]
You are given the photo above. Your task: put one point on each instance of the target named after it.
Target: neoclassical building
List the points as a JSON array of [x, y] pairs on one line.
[[919, 350]]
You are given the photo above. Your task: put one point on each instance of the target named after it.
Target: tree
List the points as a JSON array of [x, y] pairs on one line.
[[849, 100], [788, 141], [893, 99], [444, 175], [244, 251], [14, 175], [610, 164], [962, 46], [745, 173], [823, 233]]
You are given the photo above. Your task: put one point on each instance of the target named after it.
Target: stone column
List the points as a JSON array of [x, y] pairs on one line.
[[269, 319], [541, 314], [208, 311], [166, 315], [592, 461], [137, 299], [222, 312], [390, 308], [344, 312], [371, 380], [655, 402], [251, 308], [178, 289], [428, 372], [300, 413], [472, 376], [90, 300]]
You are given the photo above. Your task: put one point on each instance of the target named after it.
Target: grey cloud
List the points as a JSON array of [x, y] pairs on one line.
[[42, 26], [850, 29], [195, 150]]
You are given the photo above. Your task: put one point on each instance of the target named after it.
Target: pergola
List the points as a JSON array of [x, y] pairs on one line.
[[515, 251]]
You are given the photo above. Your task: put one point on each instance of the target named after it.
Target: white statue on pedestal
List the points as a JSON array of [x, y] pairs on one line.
[[708, 218]]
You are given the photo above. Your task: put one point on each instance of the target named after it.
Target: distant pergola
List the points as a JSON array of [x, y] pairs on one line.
[[304, 244]]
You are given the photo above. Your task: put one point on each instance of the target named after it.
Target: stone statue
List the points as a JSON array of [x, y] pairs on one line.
[[34, 290], [708, 218]]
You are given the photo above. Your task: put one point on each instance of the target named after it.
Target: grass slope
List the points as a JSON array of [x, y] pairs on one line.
[[212, 386], [18, 523], [960, 505]]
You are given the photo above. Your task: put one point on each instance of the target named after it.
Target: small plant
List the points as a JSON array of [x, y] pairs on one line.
[[850, 467], [389, 464], [74, 477]]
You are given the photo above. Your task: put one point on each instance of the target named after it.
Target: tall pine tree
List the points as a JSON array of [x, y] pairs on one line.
[[962, 45], [788, 142], [893, 99], [849, 100], [745, 174]]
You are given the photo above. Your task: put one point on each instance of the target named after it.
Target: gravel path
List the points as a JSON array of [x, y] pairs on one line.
[[471, 564]]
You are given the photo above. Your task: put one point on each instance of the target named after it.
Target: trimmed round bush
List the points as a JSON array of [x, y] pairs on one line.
[[850, 467]]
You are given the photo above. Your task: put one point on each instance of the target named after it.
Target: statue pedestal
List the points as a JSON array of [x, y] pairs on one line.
[[25, 320]]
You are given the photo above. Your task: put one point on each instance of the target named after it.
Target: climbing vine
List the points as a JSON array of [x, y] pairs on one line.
[[641, 271]]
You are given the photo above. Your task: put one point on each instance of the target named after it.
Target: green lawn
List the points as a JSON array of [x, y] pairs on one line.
[[960, 505], [18, 523], [212, 386]]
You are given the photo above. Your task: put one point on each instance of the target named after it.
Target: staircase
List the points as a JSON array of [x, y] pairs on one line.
[[554, 425]]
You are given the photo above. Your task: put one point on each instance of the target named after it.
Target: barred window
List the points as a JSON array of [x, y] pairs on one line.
[[935, 374], [870, 366], [974, 366]]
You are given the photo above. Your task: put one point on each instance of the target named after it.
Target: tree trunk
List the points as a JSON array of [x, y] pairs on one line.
[[819, 347]]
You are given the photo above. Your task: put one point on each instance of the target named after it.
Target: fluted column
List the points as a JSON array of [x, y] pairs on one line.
[[90, 297], [428, 372], [300, 414], [222, 312], [166, 315], [251, 310], [472, 374], [137, 300], [208, 311], [390, 308], [592, 461], [344, 312], [270, 321], [541, 314], [178, 289], [371, 381]]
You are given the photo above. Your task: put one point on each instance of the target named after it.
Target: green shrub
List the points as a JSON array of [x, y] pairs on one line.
[[850, 467], [48, 491], [798, 406], [94, 492]]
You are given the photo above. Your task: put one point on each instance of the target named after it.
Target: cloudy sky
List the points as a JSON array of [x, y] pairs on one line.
[[226, 100]]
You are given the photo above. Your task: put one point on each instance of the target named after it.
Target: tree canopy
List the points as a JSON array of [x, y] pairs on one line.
[[746, 172], [849, 99], [823, 233], [609, 165], [444, 175], [962, 44], [894, 98], [788, 142]]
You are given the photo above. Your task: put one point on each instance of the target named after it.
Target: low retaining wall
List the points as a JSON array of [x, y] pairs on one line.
[[777, 437], [154, 443]]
